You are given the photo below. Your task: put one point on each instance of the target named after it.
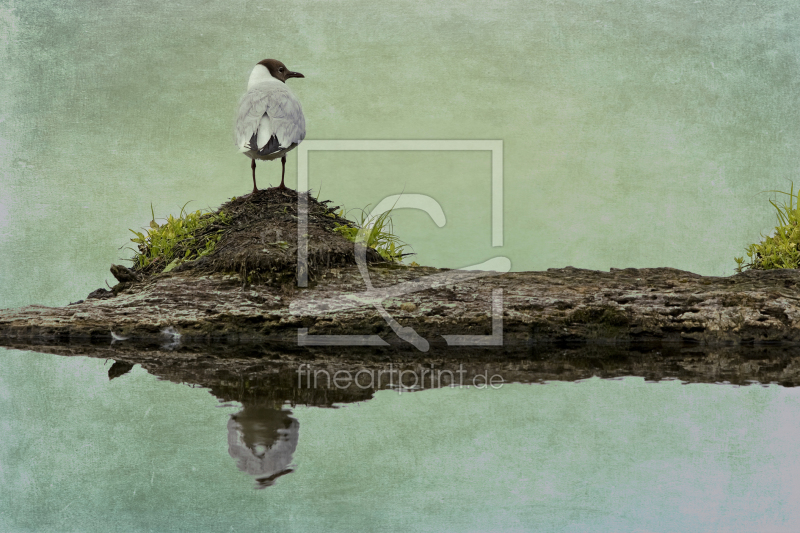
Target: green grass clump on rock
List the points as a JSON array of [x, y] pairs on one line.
[[189, 236], [781, 249], [374, 232]]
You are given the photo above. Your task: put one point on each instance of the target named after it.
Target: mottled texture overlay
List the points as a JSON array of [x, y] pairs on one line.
[[635, 134]]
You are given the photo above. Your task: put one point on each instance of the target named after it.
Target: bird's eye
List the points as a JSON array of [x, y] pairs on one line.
[[281, 69]]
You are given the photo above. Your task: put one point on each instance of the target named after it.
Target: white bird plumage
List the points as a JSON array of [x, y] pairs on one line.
[[270, 119]]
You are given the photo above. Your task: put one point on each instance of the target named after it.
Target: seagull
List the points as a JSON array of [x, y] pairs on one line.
[[270, 120]]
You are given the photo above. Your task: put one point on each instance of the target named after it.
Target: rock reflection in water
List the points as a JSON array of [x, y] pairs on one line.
[[262, 440]]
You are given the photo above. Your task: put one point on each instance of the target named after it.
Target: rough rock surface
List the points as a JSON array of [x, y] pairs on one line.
[[652, 307]]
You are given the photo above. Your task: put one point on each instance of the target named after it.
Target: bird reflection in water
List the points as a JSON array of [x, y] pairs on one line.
[[262, 440], [119, 368]]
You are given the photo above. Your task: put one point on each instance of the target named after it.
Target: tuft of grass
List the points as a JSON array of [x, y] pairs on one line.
[[781, 249], [188, 237], [374, 232]]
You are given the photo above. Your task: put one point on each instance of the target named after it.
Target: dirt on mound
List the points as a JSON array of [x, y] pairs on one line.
[[257, 237]]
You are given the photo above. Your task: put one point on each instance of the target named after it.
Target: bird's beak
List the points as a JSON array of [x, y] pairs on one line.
[[291, 74]]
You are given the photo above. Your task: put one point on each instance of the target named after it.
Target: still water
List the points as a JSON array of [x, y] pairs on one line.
[[82, 452]]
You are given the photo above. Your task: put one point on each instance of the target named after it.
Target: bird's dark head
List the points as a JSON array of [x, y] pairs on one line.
[[279, 71]]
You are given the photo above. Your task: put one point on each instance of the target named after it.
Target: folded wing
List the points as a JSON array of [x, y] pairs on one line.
[[270, 118]]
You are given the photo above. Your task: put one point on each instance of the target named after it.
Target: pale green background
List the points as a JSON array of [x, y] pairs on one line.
[[636, 133]]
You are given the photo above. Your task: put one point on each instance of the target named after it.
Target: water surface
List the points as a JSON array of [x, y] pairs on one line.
[[82, 452]]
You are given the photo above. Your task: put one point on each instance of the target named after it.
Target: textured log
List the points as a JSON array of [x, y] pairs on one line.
[[630, 307]]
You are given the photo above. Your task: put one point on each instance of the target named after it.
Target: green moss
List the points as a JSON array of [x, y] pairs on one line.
[[781, 249], [189, 236]]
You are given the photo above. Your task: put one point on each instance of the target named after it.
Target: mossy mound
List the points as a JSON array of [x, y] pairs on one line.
[[255, 236]]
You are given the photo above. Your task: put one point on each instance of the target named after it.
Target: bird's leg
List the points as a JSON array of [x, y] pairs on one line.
[[253, 166], [283, 171]]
